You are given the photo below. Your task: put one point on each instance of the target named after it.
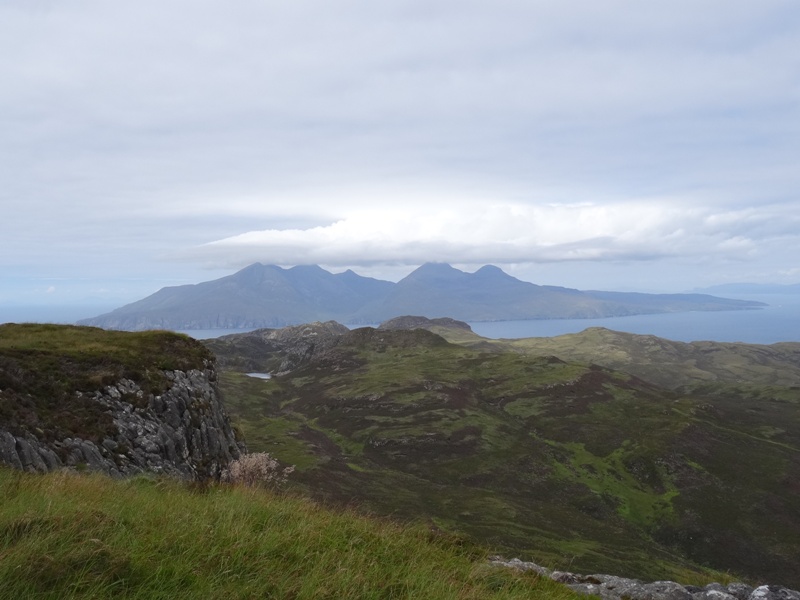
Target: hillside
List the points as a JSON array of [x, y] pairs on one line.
[[667, 363], [560, 460], [269, 296], [675, 364], [70, 536]]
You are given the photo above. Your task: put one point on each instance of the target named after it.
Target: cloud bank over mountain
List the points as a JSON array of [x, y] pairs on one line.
[[511, 233]]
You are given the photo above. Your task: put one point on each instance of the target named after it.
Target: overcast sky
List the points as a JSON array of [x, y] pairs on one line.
[[625, 145]]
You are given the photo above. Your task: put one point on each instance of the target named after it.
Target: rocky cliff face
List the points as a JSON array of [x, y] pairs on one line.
[[182, 431]]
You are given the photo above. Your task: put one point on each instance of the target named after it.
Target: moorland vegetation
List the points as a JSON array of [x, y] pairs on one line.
[[548, 455]]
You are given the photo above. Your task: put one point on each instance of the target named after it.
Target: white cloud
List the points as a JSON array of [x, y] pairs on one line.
[[502, 233]]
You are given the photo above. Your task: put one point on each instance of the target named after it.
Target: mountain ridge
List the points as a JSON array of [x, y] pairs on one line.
[[271, 296]]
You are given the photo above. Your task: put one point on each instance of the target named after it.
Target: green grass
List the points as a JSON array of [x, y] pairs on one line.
[[85, 536], [609, 477], [96, 348]]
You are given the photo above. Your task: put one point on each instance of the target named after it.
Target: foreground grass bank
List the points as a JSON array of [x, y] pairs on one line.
[[86, 536]]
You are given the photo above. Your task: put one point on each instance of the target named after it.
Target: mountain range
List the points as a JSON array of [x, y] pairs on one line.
[[271, 296]]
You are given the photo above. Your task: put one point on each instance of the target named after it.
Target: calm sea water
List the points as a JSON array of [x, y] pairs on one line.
[[778, 322]]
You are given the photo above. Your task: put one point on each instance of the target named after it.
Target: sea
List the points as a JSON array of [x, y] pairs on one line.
[[779, 321]]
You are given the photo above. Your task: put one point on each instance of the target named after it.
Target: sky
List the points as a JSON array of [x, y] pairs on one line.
[[620, 145]]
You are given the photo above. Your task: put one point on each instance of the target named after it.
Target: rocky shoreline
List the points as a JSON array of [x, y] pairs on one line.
[[611, 587]]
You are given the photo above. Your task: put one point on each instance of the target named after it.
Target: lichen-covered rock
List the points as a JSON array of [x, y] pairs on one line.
[[614, 588], [610, 587], [183, 431], [740, 591], [774, 592], [520, 565], [8, 450]]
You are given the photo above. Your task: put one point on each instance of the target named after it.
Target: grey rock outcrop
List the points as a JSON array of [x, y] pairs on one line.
[[183, 431], [774, 592], [276, 351], [610, 587]]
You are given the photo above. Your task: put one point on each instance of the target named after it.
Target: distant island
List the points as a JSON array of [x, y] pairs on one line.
[[271, 296], [751, 288]]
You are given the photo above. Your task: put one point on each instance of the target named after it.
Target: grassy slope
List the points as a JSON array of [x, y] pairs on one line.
[[71, 536], [569, 464]]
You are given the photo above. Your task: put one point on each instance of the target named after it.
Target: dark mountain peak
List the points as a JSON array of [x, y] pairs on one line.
[[433, 271], [257, 273], [253, 274], [369, 287], [491, 273], [256, 266], [491, 269], [350, 275], [308, 270]]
